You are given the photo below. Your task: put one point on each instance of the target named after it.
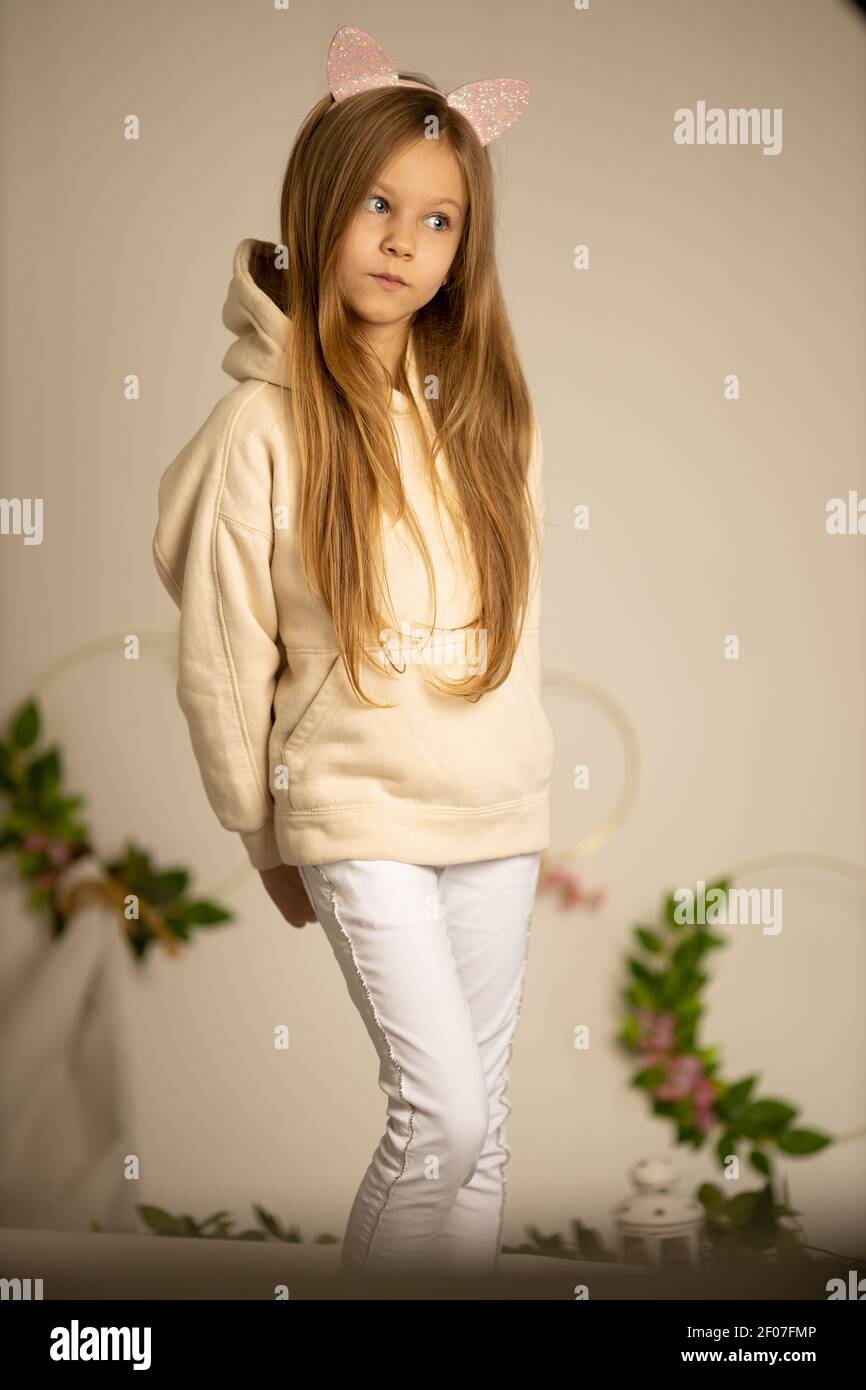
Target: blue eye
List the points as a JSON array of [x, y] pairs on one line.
[[377, 198]]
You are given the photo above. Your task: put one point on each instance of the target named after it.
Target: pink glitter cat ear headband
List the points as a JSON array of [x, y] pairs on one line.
[[357, 63]]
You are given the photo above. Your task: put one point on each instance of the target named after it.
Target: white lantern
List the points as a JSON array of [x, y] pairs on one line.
[[656, 1225]]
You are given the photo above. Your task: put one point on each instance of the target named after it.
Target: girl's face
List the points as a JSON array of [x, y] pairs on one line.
[[408, 226]]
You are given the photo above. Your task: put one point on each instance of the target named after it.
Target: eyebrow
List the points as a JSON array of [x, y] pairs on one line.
[[453, 201]]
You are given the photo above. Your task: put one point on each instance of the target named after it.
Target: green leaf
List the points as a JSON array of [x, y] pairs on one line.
[[135, 864], [713, 942], [668, 911], [802, 1141], [25, 725], [205, 913], [642, 973], [732, 1102], [162, 1222], [742, 1207], [178, 926], [708, 1057], [32, 862], [687, 953], [43, 774], [648, 1077], [650, 940], [689, 1009], [739, 1092], [590, 1243], [712, 1198], [216, 1218], [7, 776], [769, 1115], [760, 1161], [269, 1222], [642, 996], [631, 1031], [721, 884], [167, 886]]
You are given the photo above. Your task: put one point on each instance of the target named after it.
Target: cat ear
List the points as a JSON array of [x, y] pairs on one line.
[[357, 63], [491, 105]]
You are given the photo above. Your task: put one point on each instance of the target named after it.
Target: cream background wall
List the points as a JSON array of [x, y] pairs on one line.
[[707, 518]]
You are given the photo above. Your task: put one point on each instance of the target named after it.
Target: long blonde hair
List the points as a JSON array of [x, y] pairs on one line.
[[482, 415]]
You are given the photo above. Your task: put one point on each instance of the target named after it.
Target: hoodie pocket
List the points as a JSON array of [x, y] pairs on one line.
[[422, 749], [315, 713]]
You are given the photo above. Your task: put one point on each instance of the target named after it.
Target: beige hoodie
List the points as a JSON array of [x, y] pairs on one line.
[[289, 757]]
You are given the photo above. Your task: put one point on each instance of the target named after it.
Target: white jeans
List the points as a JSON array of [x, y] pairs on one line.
[[434, 959]]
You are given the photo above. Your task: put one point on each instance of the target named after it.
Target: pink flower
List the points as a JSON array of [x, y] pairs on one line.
[[682, 1075], [35, 840], [552, 879], [704, 1120], [60, 852], [659, 1029], [689, 1067], [571, 892], [704, 1092]]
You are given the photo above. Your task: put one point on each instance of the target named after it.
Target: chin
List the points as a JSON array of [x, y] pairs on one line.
[[375, 314], [371, 307]]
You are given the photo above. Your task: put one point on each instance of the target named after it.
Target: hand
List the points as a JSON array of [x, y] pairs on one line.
[[285, 887]]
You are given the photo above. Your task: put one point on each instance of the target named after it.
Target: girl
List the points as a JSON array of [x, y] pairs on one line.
[[352, 537]]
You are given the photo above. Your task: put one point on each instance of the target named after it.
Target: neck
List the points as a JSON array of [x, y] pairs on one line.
[[388, 341]]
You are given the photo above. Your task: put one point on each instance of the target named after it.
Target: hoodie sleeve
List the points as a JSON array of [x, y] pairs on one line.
[[212, 547]]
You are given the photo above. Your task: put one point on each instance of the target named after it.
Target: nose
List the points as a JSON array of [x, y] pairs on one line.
[[398, 241]]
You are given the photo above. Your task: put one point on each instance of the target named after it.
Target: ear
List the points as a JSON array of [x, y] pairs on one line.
[[491, 105], [357, 63]]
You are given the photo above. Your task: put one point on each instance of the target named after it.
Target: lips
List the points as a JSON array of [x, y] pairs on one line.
[[393, 279]]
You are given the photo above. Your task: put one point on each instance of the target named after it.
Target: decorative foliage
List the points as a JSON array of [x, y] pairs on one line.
[[571, 890], [682, 1081], [752, 1221], [587, 1244], [44, 831], [162, 1223]]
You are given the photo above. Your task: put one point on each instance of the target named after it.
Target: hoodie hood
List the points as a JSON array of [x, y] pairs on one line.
[[263, 332]]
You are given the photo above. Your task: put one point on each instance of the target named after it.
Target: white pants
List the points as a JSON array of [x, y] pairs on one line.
[[434, 958]]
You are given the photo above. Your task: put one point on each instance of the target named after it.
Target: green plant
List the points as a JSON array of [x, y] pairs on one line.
[[680, 1077], [218, 1226], [44, 831], [683, 1083], [751, 1220], [586, 1244]]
